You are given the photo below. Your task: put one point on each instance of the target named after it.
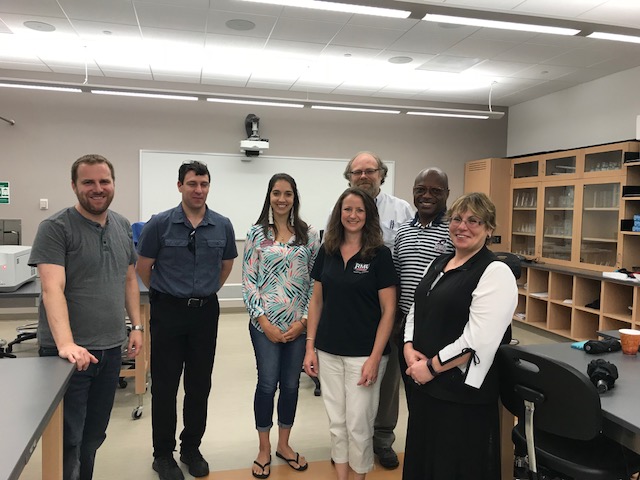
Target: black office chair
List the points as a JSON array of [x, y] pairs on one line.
[[564, 436], [28, 331]]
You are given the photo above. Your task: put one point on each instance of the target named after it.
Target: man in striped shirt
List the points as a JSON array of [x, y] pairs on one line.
[[419, 241]]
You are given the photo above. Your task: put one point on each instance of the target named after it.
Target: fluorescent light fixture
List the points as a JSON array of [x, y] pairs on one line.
[[477, 22], [458, 113], [256, 102], [614, 36], [455, 115], [41, 87], [338, 7], [354, 109], [144, 95]]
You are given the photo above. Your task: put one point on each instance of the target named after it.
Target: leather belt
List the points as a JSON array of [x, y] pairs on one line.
[[192, 302]]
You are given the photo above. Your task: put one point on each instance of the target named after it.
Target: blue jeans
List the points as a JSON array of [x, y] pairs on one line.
[[279, 365], [87, 409]]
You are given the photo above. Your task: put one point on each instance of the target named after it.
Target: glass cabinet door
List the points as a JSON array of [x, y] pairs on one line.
[[525, 170], [523, 221], [561, 166], [600, 223], [558, 222], [603, 161]]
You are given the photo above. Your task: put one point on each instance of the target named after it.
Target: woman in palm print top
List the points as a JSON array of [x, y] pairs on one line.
[[276, 285]]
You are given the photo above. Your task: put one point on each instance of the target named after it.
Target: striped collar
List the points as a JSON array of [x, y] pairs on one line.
[[436, 221]]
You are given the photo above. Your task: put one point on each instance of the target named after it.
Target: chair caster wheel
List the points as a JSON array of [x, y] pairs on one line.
[[137, 413], [122, 383]]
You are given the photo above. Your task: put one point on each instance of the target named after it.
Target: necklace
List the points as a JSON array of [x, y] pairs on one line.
[[283, 236]]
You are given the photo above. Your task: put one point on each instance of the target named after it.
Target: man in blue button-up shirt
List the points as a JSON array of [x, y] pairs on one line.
[[185, 256]]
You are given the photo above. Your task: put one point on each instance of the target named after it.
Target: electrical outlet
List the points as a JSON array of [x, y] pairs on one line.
[[496, 239]]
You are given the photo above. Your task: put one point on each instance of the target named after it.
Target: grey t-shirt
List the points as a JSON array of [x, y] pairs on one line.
[[96, 261]]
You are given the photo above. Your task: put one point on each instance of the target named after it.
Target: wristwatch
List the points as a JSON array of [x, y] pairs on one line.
[[138, 327]]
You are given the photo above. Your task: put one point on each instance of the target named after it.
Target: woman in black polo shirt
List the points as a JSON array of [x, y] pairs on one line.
[[350, 318]]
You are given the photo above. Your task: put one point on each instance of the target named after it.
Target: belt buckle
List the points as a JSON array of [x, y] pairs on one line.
[[194, 302]]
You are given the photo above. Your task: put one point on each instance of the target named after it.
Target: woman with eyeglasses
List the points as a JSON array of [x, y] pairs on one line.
[[279, 252], [350, 319], [461, 314]]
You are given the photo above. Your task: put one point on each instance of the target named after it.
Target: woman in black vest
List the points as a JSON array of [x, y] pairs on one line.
[[462, 312]]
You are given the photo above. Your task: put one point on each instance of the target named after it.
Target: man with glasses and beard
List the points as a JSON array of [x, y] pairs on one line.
[[185, 256], [85, 258], [367, 171]]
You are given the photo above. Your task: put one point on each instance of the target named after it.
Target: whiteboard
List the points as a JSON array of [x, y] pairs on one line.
[[238, 186]]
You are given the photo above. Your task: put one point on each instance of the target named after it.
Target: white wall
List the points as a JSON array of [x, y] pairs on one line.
[[600, 111], [53, 129]]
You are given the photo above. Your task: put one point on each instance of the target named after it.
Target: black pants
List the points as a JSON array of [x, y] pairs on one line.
[[398, 338], [182, 339]]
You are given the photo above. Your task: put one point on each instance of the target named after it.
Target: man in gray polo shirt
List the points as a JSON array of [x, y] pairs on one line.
[[85, 258]]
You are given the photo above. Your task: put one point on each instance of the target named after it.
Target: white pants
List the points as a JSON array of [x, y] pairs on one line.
[[351, 408]]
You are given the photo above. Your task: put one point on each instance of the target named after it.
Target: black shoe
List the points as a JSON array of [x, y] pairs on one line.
[[198, 466], [167, 468], [387, 457]]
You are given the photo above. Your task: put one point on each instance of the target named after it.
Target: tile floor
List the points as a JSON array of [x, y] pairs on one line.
[[231, 441]]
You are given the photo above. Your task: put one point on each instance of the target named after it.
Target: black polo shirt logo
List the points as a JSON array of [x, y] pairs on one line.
[[361, 268]]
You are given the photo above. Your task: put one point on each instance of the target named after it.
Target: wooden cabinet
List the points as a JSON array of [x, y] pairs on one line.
[[491, 176], [575, 303], [573, 211], [567, 207]]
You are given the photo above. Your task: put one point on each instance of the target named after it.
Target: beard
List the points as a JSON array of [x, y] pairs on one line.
[[86, 204], [368, 187]]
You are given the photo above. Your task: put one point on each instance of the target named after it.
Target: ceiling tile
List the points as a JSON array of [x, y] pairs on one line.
[[173, 17], [544, 72], [113, 11], [268, 85], [448, 63], [294, 49], [426, 37], [305, 30], [530, 52], [12, 65], [214, 41], [4, 28], [172, 77], [356, 35], [617, 12], [497, 68], [582, 75], [31, 7], [579, 57], [556, 9], [142, 74], [217, 19], [479, 47]]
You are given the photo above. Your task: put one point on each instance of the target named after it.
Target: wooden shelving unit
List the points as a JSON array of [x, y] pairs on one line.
[[555, 299]]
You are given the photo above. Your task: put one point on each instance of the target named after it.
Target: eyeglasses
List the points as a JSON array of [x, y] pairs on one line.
[[471, 222], [191, 246], [368, 172], [435, 191]]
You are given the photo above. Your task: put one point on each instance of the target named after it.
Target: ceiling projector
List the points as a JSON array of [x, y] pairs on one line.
[[254, 145]]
